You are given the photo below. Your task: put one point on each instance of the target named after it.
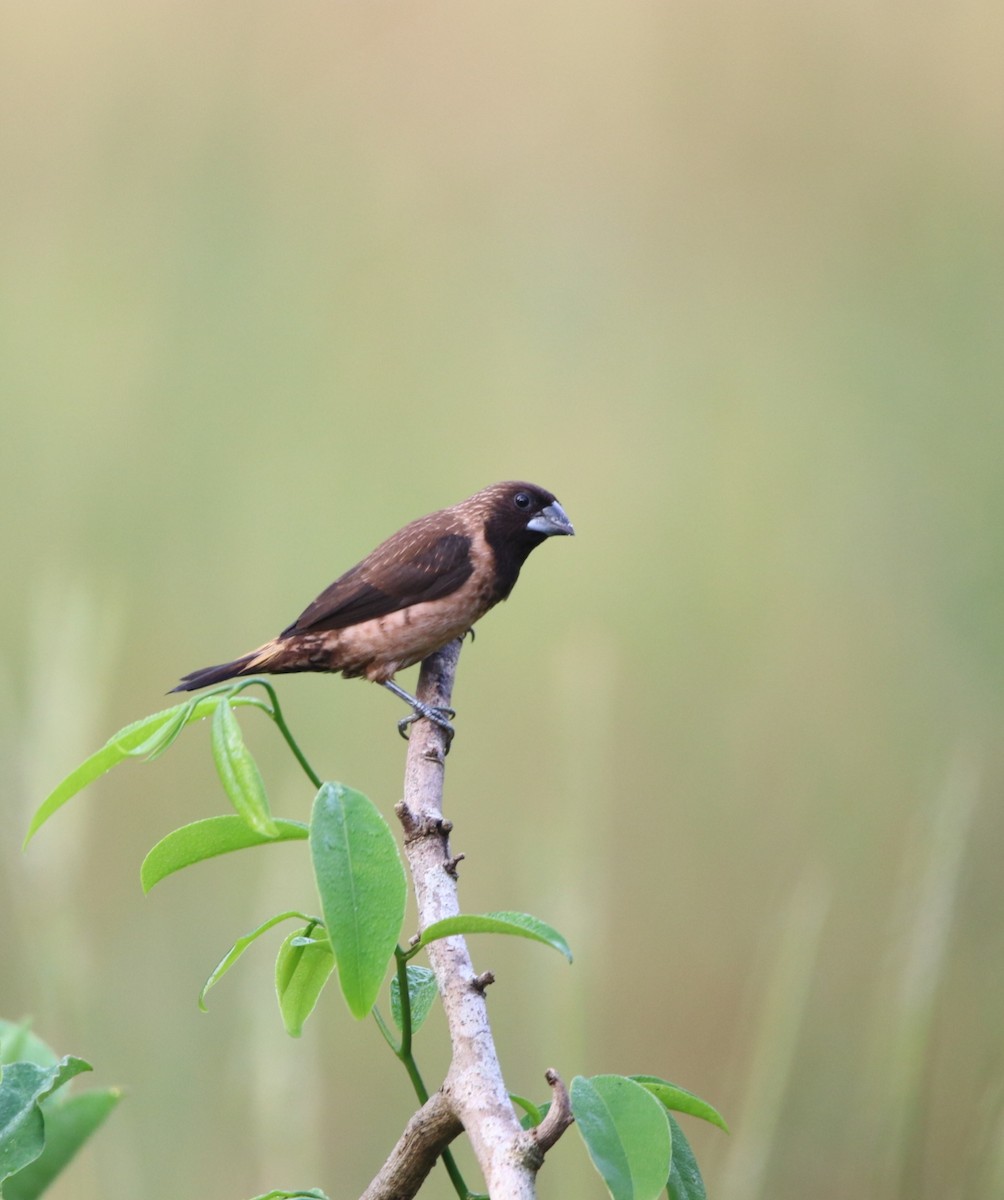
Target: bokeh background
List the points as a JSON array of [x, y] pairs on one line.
[[729, 279]]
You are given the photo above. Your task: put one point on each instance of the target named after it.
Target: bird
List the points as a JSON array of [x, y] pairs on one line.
[[417, 591]]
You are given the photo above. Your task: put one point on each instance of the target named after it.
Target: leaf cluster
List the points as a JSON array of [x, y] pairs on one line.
[[633, 1139], [626, 1123], [42, 1123]]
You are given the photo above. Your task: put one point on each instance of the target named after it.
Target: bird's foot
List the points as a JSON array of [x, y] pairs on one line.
[[437, 715]]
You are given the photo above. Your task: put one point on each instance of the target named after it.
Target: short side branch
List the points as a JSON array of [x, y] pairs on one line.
[[559, 1115], [425, 1137]]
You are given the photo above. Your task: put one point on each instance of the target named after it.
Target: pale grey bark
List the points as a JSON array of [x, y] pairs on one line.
[[474, 1091]]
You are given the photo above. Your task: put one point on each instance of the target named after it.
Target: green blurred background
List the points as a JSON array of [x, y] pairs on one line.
[[729, 279]]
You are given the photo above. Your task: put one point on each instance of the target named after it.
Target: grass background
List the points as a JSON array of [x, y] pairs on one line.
[[729, 279]]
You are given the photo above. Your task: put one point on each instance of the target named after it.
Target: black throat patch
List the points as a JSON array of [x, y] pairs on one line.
[[510, 546]]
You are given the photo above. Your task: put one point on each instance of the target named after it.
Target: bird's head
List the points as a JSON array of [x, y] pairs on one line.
[[523, 513], [518, 517]]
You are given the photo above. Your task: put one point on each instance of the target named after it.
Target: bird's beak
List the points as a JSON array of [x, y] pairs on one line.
[[551, 520]]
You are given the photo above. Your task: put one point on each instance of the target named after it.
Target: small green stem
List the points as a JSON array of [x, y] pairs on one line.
[[388, 1037], [403, 1052], [417, 1082], [275, 712], [458, 1181], [404, 992]]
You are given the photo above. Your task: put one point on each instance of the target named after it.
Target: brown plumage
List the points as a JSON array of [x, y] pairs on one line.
[[417, 591]]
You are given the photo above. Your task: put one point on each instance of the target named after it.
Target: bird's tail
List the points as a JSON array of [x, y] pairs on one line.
[[207, 675]]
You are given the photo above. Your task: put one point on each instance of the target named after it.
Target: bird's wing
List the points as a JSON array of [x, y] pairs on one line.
[[418, 563]]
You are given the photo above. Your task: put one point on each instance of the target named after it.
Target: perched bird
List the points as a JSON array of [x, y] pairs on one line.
[[417, 591]]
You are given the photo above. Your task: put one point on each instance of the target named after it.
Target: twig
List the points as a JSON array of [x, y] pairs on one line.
[[559, 1115], [425, 1137]]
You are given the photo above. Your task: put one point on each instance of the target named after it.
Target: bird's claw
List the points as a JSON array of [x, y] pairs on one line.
[[438, 716]]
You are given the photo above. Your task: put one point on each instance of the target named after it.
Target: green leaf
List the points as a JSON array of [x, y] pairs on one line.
[[680, 1100], [205, 839], [68, 1124], [23, 1086], [519, 924], [528, 1121], [362, 887], [421, 993], [239, 772], [626, 1132], [238, 948], [149, 736], [534, 1115], [685, 1182], [163, 736], [312, 1194], [301, 970]]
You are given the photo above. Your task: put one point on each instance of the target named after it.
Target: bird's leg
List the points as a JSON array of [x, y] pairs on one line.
[[438, 716]]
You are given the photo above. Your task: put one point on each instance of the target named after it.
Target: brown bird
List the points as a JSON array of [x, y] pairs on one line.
[[417, 591]]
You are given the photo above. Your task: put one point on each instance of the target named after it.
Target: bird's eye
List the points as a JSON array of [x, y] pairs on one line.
[[521, 500]]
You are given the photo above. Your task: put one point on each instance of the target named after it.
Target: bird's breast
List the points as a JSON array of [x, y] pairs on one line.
[[384, 645]]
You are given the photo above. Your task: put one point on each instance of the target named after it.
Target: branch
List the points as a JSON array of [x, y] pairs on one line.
[[559, 1115], [425, 1137], [509, 1156]]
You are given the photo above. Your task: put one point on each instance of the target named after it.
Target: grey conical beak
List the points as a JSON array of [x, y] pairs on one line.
[[551, 520]]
